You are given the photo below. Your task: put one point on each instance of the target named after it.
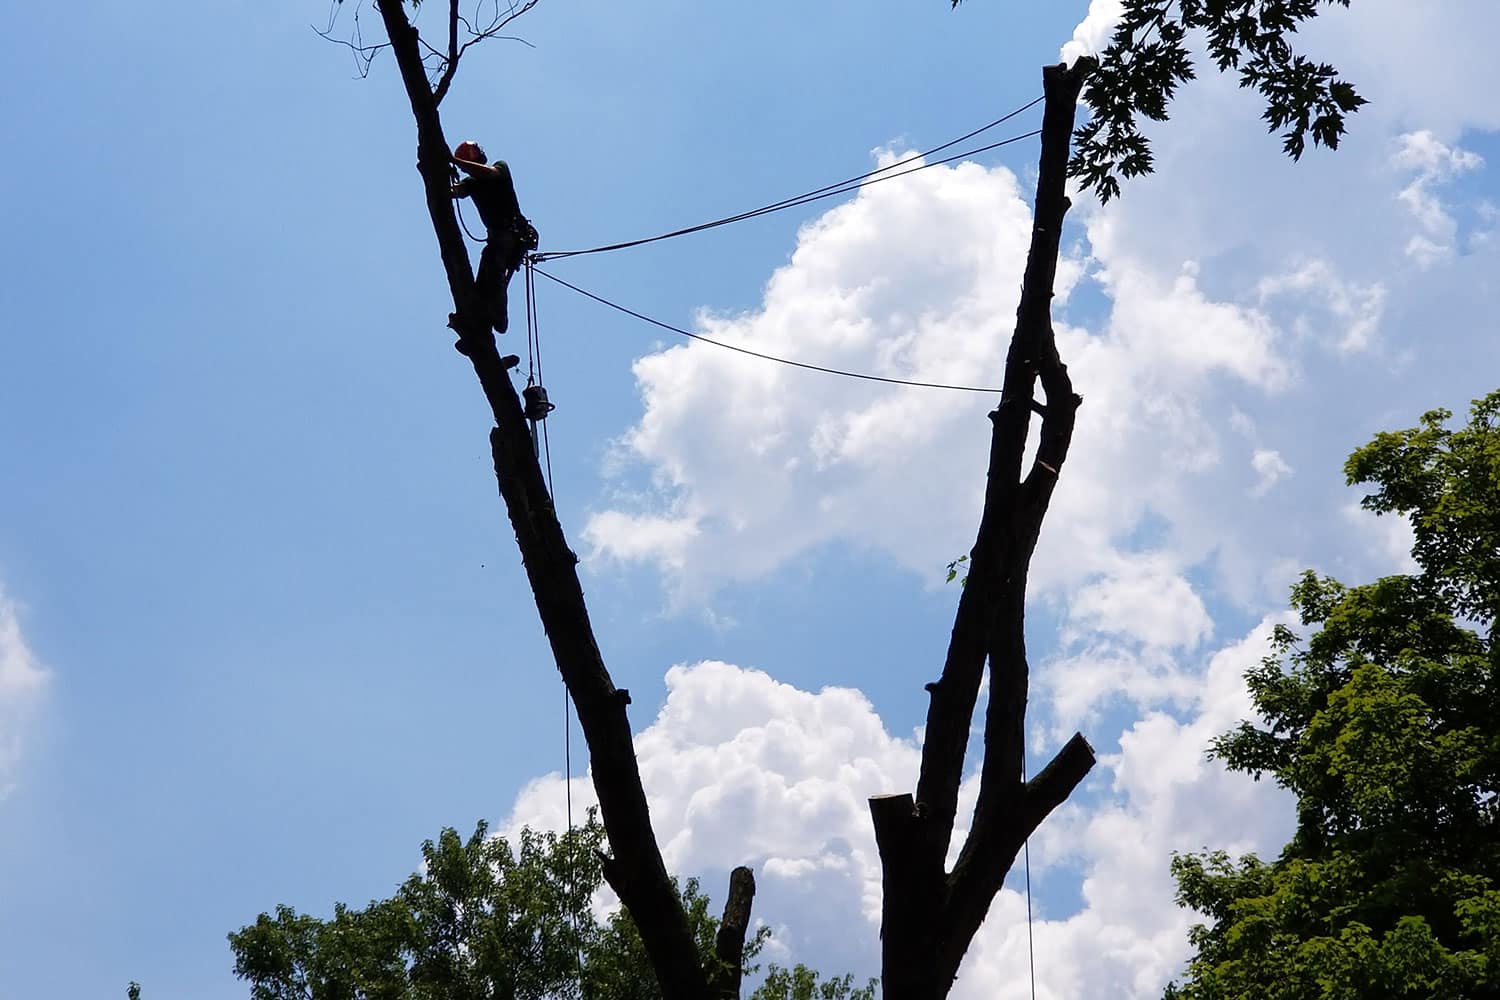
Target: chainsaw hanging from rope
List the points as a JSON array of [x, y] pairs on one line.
[[535, 405]]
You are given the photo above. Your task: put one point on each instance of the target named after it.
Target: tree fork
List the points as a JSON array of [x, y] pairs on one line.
[[929, 918], [635, 871]]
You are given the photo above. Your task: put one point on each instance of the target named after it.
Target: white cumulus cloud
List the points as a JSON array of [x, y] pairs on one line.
[[1229, 320], [1270, 468], [753, 464], [1433, 163], [741, 768], [22, 681], [1093, 32]]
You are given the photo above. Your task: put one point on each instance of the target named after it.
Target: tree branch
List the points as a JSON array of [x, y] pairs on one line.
[[993, 843], [1000, 827], [729, 945], [911, 893], [439, 66], [636, 871], [989, 624], [445, 80]]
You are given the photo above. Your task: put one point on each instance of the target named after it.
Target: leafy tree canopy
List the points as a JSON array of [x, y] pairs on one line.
[[1382, 723], [1148, 58], [486, 919]]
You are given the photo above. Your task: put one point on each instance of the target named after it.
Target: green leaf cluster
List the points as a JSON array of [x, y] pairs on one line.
[[958, 569], [1446, 482], [1148, 57], [802, 983], [480, 919], [1383, 723], [486, 919]]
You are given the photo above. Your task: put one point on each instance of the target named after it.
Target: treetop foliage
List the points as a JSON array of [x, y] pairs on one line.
[[485, 919], [1148, 57], [1382, 723], [1446, 482]]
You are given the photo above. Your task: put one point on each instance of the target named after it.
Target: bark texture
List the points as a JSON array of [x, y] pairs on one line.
[[729, 946], [635, 870], [930, 915]]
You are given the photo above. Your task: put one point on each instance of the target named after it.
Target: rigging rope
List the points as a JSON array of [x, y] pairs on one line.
[[758, 354], [1026, 853], [817, 194], [534, 377]]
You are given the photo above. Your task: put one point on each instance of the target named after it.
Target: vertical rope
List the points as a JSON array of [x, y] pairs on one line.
[[1026, 854], [534, 377], [531, 326], [537, 337]]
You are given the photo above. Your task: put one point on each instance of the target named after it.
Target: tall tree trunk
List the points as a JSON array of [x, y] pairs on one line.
[[929, 916], [635, 870]]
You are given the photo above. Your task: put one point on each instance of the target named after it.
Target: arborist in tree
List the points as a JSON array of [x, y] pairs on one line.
[[508, 234]]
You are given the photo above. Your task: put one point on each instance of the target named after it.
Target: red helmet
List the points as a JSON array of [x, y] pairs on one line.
[[471, 151]]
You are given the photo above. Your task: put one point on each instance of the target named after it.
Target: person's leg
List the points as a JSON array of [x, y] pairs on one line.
[[494, 278]]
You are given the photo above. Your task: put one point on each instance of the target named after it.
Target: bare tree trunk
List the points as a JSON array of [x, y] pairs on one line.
[[635, 871], [929, 916]]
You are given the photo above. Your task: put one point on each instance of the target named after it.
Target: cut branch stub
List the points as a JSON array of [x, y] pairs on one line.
[[993, 843], [912, 895], [729, 945]]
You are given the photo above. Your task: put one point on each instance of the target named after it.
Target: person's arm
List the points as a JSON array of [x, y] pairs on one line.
[[461, 188], [474, 169]]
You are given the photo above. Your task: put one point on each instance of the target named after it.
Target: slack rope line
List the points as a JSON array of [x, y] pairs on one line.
[[817, 194], [1026, 849], [758, 354], [534, 376]]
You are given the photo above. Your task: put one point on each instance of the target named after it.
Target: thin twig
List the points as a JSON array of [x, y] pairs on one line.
[[441, 66], [446, 78], [497, 23], [363, 55]]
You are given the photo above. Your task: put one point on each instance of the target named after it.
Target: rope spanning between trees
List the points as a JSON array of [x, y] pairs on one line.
[[818, 194], [534, 372], [885, 173], [758, 354]]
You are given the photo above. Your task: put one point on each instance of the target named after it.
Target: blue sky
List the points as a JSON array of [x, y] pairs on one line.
[[263, 625]]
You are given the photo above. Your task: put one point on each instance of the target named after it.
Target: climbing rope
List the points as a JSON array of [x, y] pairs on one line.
[[827, 191], [758, 354], [537, 417], [818, 194], [1026, 855]]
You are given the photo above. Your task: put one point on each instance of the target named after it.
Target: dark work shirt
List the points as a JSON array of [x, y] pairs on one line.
[[495, 197]]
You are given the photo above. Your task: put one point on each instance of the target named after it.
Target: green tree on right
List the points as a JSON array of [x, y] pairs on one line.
[[1384, 722]]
